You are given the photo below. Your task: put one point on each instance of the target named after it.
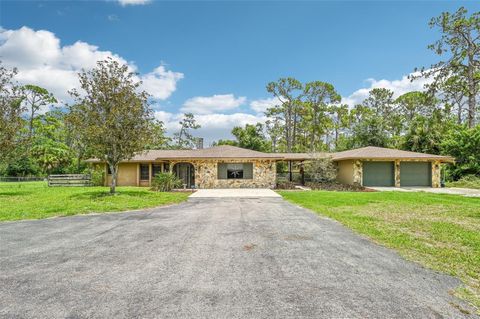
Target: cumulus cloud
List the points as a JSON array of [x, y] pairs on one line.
[[399, 87], [261, 105], [161, 83], [213, 126], [133, 2], [212, 104], [43, 61]]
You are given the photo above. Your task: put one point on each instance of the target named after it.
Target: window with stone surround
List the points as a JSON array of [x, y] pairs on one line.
[[235, 170]]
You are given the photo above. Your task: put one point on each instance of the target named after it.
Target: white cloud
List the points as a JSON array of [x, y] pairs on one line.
[[133, 2], [41, 60], [161, 83], [399, 87], [262, 105], [212, 104], [213, 126]]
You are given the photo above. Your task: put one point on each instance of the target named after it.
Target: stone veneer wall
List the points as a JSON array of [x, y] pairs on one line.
[[206, 174], [436, 179]]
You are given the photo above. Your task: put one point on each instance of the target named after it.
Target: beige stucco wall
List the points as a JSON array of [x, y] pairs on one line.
[[345, 172], [127, 175], [206, 174]]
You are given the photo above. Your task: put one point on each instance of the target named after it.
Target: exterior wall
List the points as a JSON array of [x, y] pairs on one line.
[[127, 175], [206, 174], [345, 172], [350, 172]]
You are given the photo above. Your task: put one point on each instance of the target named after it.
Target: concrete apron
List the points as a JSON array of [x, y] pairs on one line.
[[234, 192]]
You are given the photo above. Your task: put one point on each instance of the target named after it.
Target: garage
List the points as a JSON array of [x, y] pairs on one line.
[[378, 174], [415, 174]]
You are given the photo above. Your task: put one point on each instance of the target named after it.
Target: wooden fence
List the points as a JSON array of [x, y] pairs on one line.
[[70, 180]]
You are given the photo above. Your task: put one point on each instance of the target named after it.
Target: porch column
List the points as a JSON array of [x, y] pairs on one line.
[[357, 173], [397, 173], [290, 177], [436, 179], [150, 170], [302, 173], [138, 174]]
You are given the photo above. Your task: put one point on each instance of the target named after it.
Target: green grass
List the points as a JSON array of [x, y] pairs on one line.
[[34, 200], [439, 231]]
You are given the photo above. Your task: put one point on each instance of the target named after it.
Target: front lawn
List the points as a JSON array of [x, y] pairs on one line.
[[34, 200], [439, 231]]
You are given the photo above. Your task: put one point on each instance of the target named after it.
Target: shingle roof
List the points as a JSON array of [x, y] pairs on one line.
[[216, 152], [233, 152], [372, 152]]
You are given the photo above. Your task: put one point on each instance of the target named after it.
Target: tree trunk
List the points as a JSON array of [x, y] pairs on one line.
[[113, 184], [471, 90]]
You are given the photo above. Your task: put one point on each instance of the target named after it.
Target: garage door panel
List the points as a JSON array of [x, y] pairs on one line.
[[415, 174], [378, 174]]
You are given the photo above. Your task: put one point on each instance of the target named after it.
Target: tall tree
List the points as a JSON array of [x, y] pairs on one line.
[[453, 94], [49, 145], [318, 96], [251, 137], [289, 92], [460, 43], [414, 103], [340, 119], [34, 99], [184, 137], [159, 139], [112, 117], [11, 110]]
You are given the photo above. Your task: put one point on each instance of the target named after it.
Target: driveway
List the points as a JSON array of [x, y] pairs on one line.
[[211, 258], [469, 192], [235, 192]]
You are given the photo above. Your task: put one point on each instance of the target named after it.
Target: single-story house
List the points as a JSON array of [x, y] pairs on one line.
[[234, 167]]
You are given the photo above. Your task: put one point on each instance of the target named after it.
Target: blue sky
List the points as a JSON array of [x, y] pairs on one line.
[[228, 49]]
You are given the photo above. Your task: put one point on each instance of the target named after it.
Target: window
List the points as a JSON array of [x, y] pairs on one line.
[[235, 171], [156, 168], [109, 171], [144, 172]]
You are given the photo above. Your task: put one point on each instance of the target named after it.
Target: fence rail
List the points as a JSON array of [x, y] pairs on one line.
[[69, 180]]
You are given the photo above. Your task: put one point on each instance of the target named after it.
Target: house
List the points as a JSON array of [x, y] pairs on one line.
[[234, 167]]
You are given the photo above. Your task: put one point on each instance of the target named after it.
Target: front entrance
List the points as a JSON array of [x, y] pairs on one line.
[[185, 172]]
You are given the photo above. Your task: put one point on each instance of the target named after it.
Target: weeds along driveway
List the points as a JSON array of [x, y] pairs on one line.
[[211, 258]]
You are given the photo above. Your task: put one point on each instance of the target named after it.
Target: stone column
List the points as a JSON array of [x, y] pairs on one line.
[[436, 174], [357, 172], [397, 173]]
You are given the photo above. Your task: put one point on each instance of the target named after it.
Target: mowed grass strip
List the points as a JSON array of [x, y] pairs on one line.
[[439, 231], [34, 200]]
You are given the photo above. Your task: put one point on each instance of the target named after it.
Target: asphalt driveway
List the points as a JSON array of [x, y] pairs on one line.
[[211, 258]]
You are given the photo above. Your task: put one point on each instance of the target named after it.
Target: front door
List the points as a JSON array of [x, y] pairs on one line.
[[185, 172]]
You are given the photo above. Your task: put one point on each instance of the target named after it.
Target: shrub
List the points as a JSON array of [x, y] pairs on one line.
[[285, 185], [321, 170], [165, 182], [469, 181], [97, 175]]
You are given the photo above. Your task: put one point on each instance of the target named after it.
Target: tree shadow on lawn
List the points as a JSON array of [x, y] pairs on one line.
[[93, 195], [15, 193]]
